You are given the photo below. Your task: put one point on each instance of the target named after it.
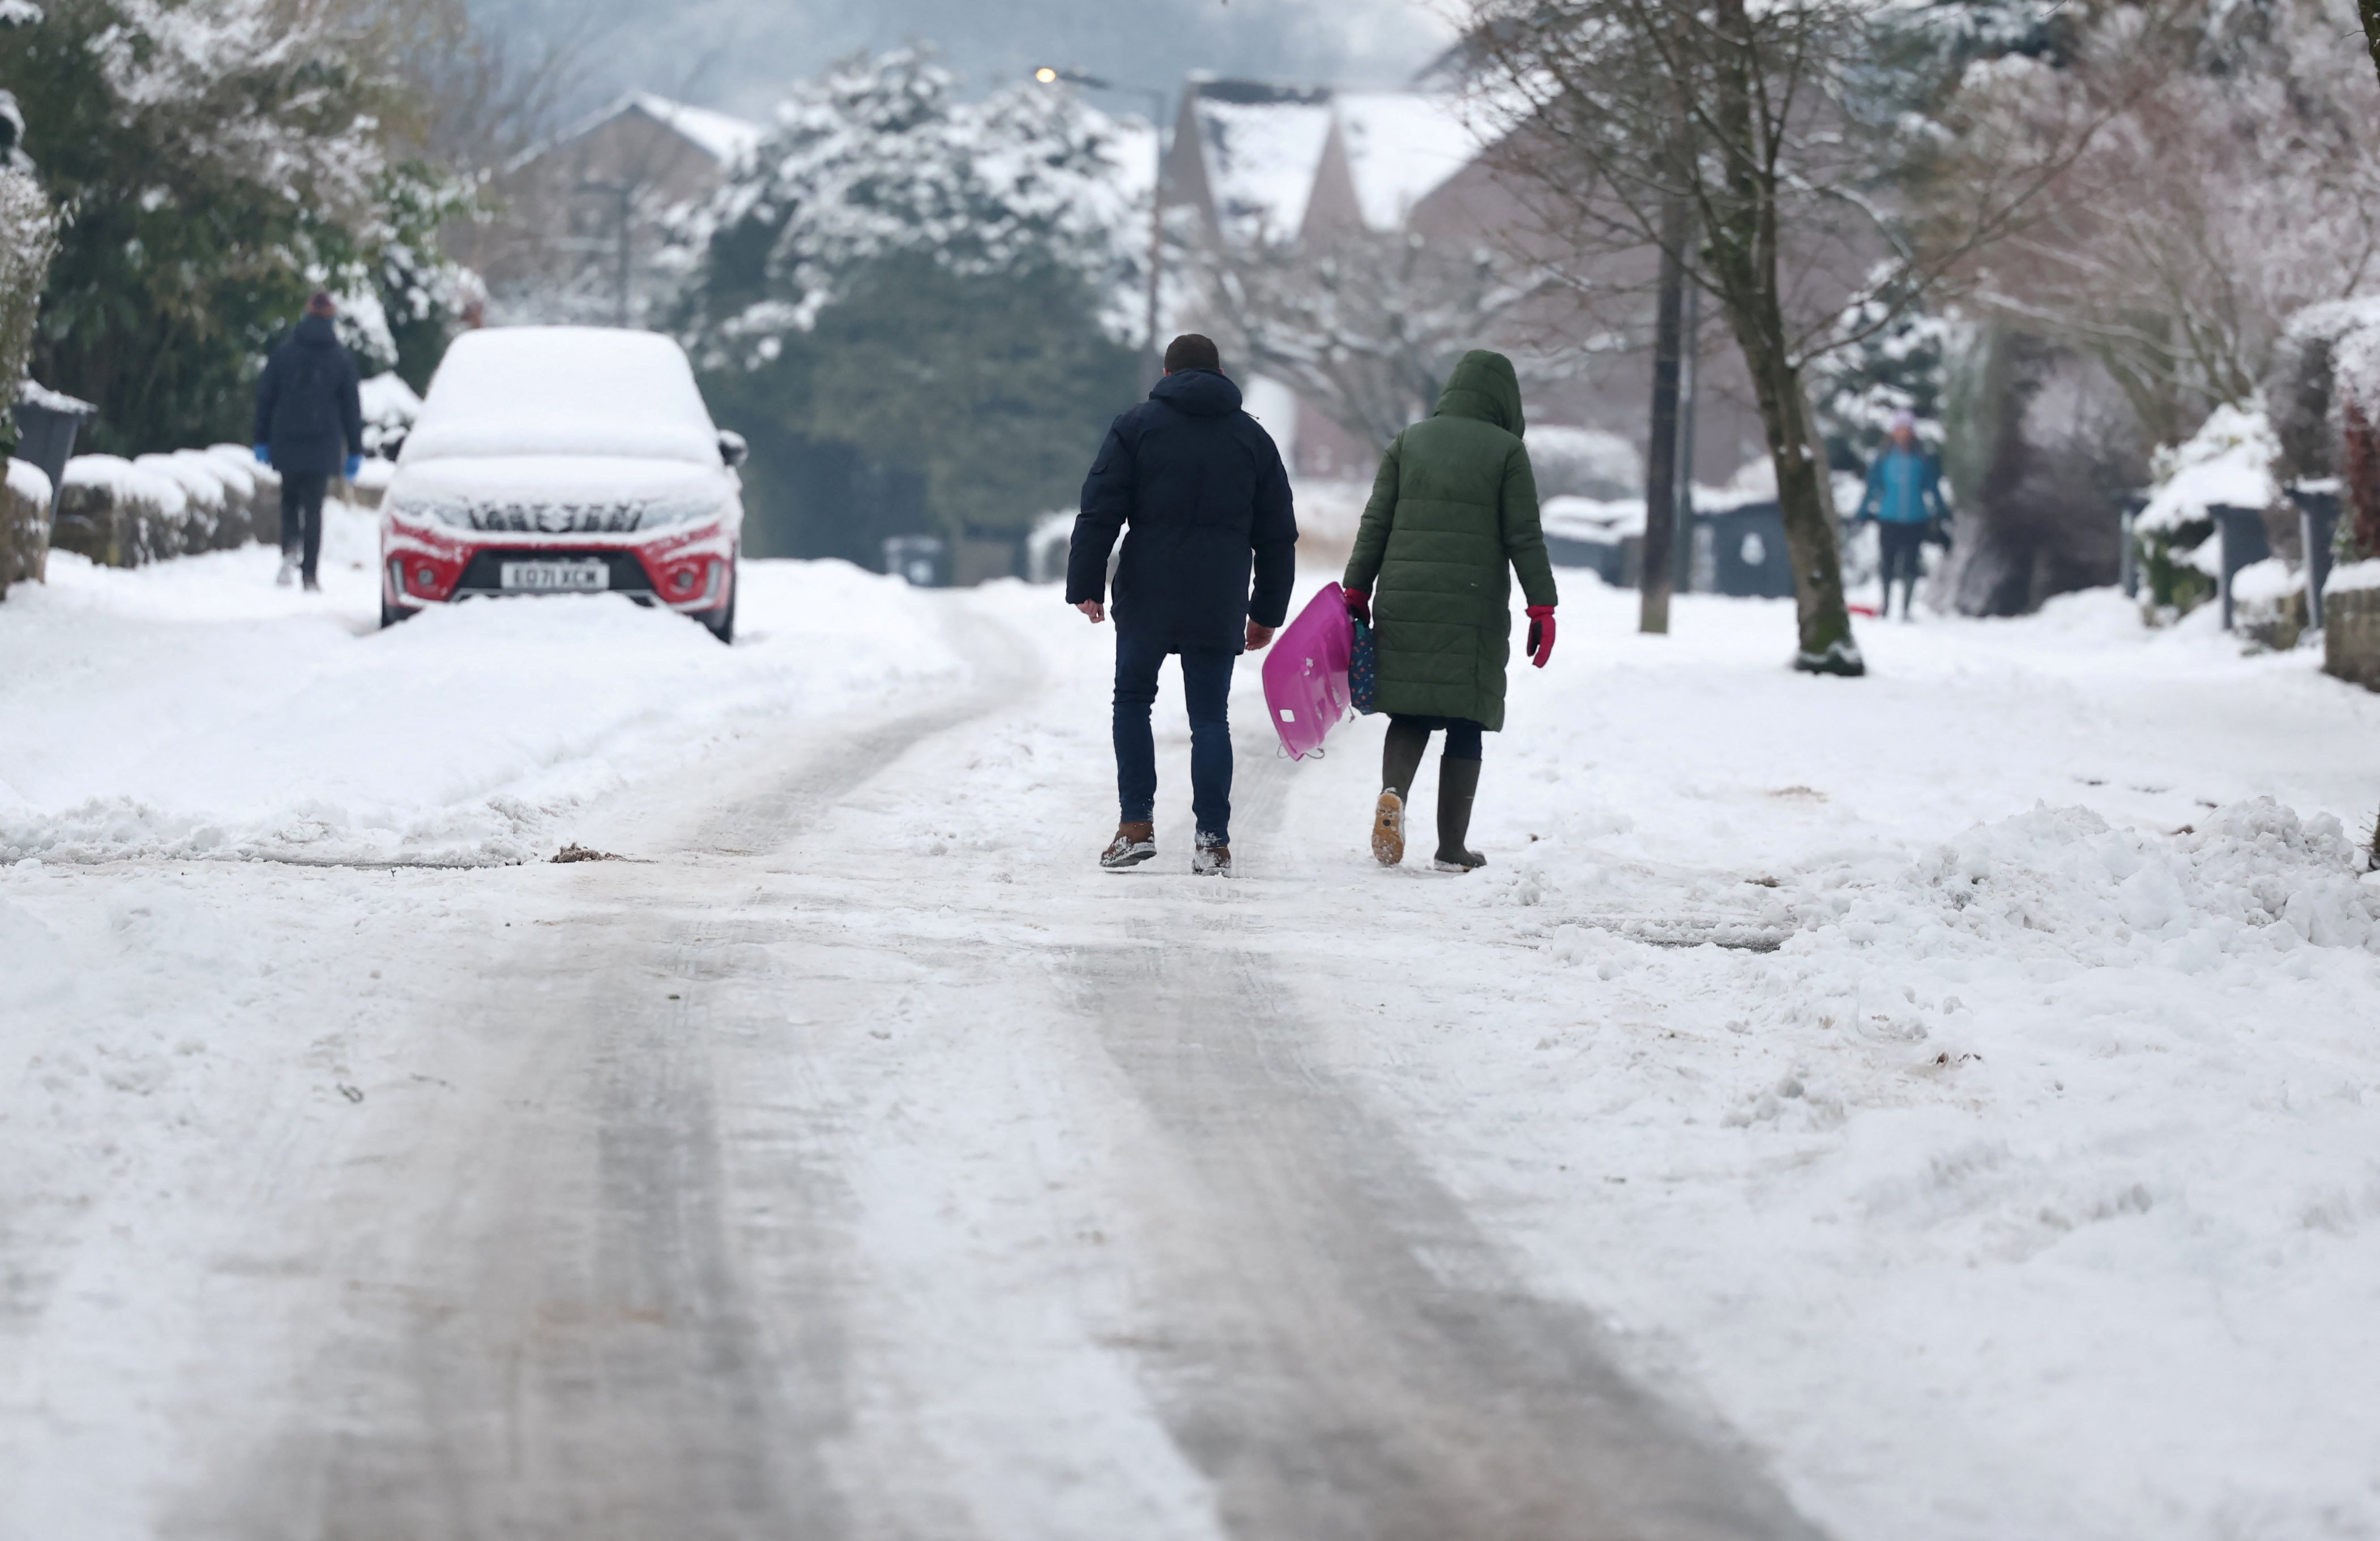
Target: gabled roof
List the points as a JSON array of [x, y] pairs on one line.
[[1400, 147], [1258, 146], [724, 138], [721, 137], [1276, 163]]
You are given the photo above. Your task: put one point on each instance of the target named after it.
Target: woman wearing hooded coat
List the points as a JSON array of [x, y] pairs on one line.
[[1454, 516]]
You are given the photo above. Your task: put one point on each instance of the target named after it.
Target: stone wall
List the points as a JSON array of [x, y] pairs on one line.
[[123, 513]]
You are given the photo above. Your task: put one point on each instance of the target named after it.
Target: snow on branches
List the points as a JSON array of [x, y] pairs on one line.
[[256, 91], [880, 157]]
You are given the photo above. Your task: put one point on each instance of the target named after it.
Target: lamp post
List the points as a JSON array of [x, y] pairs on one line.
[[1049, 75]]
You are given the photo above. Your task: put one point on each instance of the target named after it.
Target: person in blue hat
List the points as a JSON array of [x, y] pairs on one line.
[[1904, 498]]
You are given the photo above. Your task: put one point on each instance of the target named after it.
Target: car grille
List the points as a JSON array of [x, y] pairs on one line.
[[555, 518], [485, 575]]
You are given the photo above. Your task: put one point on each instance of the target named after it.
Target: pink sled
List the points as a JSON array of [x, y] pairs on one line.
[[1306, 673]]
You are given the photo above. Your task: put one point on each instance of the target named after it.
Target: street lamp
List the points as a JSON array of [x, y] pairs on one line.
[[1049, 75]]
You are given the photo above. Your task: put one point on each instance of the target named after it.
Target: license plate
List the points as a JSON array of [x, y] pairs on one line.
[[554, 577]]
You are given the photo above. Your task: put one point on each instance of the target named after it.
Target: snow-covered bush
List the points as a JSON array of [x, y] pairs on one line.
[[2227, 463], [29, 239], [2324, 388]]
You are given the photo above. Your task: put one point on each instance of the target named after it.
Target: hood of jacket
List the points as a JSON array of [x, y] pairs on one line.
[[1484, 387], [316, 331], [1200, 393]]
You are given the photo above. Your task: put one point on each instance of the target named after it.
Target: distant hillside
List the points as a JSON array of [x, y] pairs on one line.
[[736, 53]]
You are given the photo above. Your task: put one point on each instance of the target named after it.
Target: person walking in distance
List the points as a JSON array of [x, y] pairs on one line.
[[1454, 516], [1904, 498], [310, 427], [1202, 488]]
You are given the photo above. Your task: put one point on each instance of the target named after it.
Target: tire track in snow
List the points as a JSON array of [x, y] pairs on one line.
[[1337, 1345], [574, 1345]]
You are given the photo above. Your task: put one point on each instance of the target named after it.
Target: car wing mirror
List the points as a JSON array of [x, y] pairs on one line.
[[732, 450]]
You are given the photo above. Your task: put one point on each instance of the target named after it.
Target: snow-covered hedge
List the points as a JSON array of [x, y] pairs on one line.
[[124, 512]]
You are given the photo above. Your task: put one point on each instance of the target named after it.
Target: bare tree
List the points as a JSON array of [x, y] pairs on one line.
[[1366, 324], [1774, 126]]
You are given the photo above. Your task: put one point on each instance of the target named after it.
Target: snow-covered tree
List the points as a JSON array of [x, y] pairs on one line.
[[880, 157], [213, 161], [939, 287], [1893, 360], [2233, 180]]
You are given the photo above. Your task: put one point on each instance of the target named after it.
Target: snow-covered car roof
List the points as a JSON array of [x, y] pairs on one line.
[[563, 390]]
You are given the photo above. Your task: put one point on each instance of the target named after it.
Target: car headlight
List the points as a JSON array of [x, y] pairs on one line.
[[421, 510], [662, 512]]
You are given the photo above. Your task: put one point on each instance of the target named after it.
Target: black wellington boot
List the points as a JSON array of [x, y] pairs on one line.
[[1457, 785], [1400, 762]]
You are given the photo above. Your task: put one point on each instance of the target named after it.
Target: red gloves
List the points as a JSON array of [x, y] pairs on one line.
[[1541, 634], [1359, 604]]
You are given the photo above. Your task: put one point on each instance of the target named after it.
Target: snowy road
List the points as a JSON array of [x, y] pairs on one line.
[[633, 1303], [855, 1160]]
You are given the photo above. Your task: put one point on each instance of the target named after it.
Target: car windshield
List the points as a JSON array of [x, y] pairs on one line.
[[567, 391]]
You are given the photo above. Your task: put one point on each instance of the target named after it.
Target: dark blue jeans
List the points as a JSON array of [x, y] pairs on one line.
[[1206, 688]]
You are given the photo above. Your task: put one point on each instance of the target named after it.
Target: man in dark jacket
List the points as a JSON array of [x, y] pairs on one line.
[[310, 427], [1203, 487]]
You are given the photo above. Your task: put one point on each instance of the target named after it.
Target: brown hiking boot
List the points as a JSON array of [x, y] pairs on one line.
[[1133, 844], [1211, 859], [1389, 828]]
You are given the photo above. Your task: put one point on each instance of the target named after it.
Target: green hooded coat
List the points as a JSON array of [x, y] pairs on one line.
[[1454, 515]]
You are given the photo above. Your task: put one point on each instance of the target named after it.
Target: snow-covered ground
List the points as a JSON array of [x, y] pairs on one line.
[[1963, 1083], [192, 710]]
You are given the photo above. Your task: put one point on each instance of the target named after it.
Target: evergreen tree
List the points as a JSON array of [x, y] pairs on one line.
[[214, 161], [912, 306]]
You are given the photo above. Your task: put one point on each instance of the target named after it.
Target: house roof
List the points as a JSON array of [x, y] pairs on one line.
[[1260, 146], [1400, 147], [1274, 163], [722, 138]]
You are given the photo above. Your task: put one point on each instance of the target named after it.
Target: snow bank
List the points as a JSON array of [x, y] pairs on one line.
[[2254, 879], [193, 709], [2227, 462]]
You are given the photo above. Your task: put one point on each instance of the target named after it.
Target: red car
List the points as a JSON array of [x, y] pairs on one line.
[[564, 460]]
